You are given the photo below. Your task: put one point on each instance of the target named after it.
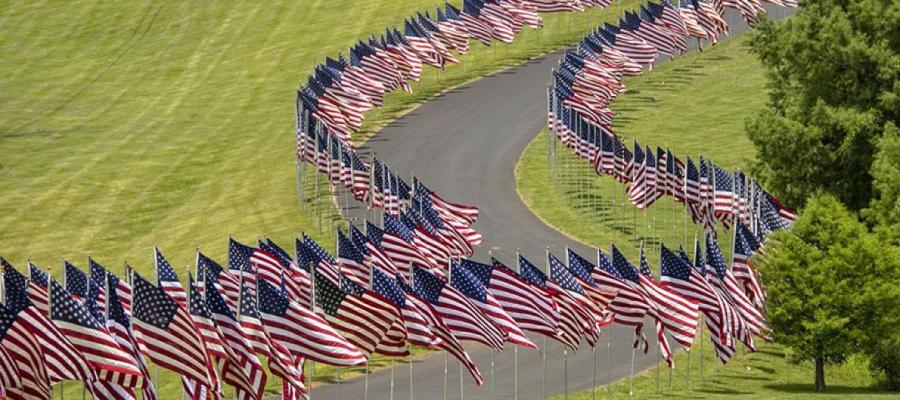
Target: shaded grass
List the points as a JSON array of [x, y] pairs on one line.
[[765, 374], [128, 125], [695, 104]]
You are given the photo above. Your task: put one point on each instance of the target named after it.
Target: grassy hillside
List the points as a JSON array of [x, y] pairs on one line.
[[765, 374], [695, 104], [126, 125], [129, 124]]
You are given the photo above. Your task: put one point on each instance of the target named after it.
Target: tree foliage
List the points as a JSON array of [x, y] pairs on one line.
[[885, 208], [831, 286], [834, 75]]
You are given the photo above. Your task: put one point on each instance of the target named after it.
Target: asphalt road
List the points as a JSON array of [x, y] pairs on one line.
[[464, 144]]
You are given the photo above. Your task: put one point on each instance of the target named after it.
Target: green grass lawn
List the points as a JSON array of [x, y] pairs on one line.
[[695, 104], [126, 125], [765, 374]]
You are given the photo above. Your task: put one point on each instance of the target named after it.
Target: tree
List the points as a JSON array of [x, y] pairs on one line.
[[885, 209], [834, 78], [829, 286]]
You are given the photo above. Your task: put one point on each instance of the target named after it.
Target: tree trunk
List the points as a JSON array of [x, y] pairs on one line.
[[820, 374]]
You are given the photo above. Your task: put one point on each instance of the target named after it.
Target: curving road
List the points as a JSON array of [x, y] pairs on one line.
[[464, 144]]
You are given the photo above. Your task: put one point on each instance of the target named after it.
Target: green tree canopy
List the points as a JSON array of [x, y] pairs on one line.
[[830, 287], [834, 74]]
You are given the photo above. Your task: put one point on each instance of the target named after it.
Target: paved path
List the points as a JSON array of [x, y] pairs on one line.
[[464, 144]]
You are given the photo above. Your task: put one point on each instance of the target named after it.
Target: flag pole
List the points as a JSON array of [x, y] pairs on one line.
[[462, 389], [392, 378], [594, 373], [493, 376], [608, 369], [316, 173], [631, 376], [566, 372], [544, 340], [446, 361], [516, 348], [411, 392], [658, 358]]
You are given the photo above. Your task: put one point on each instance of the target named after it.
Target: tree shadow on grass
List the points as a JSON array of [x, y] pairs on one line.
[[829, 389]]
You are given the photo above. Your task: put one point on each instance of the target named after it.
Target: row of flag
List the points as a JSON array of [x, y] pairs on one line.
[[379, 294], [590, 76], [342, 89]]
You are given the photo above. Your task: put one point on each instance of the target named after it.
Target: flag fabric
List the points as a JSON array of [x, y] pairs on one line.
[[168, 333], [37, 290], [279, 359], [744, 272], [91, 339], [231, 332], [75, 281], [119, 325], [679, 276], [373, 252], [62, 360], [23, 373], [447, 340], [417, 326], [296, 281], [462, 279], [215, 346], [239, 263], [564, 281], [464, 319], [532, 310], [351, 260], [630, 305], [97, 276], [303, 332], [361, 317], [721, 278], [167, 279], [227, 283], [581, 268], [574, 319], [678, 314]]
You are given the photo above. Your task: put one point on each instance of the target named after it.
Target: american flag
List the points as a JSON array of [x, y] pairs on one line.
[[23, 372], [466, 283], [363, 318], [453, 31], [419, 44], [239, 262], [645, 30], [168, 279], [447, 341], [119, 325], [464, 319], [215, 346], [418, 331], [228, 284], [630, 306], [744, 272], [631, 46], [581, 269], [235, 370], [679, 276], [325, 264], [677, 314], [724, 196], [62, 360], [563, 280], [296, 280], [398, 243], [234, 341], [92, 339], [98, 284], [574, 318], [637, 190], [169, 335], [269, 266], [722, 280], [75, 281], [531, 309], [303, 332], [376, 256], [498, 19], [37, 290], [651, 189], [397, 48], [279, 358], [351, 260], [692, 190], [477, 28]]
